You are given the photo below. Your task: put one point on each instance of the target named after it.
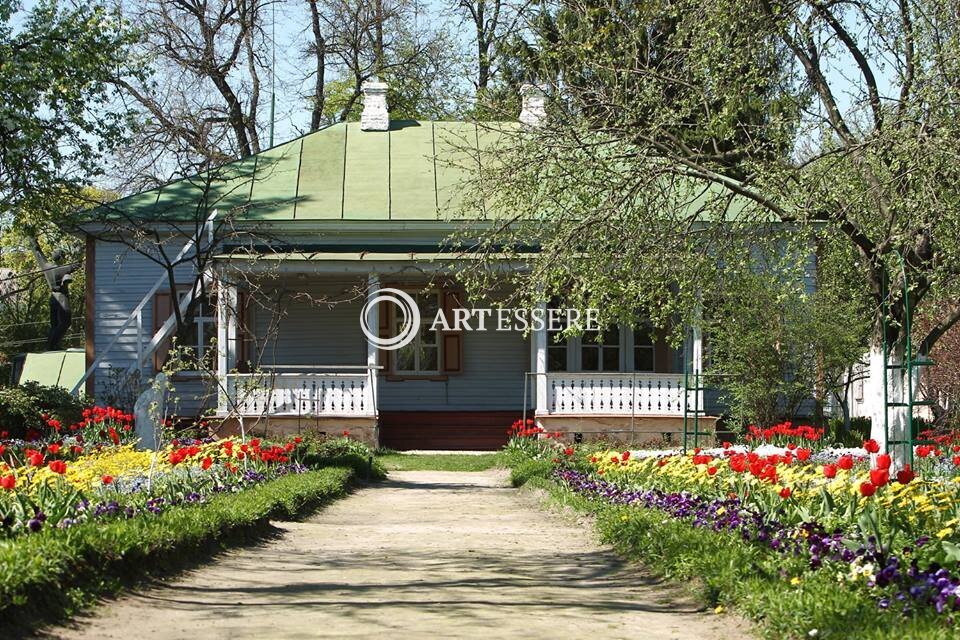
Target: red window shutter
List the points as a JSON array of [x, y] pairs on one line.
[[162, 309], [452, 352], [452, 341]]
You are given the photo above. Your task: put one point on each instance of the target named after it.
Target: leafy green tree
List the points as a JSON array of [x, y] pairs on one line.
[[665, 158], [774, 340], [56, 97], [24, 295]]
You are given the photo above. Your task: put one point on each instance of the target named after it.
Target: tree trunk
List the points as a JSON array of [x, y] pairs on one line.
[[320, 54]]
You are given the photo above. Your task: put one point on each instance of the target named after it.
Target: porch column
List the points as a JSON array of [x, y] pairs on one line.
[[226, 342], [373, 322], [539, 342], [696, 355]]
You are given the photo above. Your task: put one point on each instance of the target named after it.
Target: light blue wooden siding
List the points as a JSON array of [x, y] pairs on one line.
[[315, 334], [122, 278], [492, 379], [311, 334]]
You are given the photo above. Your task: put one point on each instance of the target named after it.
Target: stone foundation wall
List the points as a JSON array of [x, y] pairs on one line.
[[362, 429], [646, 431]]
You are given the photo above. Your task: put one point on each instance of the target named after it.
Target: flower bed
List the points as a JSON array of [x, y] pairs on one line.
[[80, 505], [888, 534], [54, 571], [50, 486]]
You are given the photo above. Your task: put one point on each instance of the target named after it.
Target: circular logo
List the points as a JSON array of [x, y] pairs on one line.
[[408, 310]]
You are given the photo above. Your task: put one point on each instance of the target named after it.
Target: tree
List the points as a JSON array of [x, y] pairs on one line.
[[773, 339], [56, 114], [24, 296], [201, 105], [494, 24], [730, 120], [352, 42]]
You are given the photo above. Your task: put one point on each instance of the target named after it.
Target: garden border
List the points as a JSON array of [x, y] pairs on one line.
[[725, 573], [48, 576]]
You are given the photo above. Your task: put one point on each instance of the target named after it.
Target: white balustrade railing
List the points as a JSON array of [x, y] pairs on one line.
[[640, 394], [301, 394]]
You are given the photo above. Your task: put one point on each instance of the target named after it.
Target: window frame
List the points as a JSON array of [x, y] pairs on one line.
[[416, 344], [203, 323], [601, 347]]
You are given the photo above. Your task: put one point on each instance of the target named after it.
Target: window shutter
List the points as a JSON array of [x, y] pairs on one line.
[[453, 298], [162, 309]]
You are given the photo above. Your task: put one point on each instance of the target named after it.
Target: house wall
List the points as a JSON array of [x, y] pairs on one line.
[[308, 333], [492, 380], [313, 321], [122, 278]]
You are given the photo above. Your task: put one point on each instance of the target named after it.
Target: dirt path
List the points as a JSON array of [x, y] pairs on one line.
[[423, 555]]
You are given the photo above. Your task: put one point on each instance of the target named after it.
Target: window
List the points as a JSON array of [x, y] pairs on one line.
[[422, 355], [600, 350], [556, 351], [195, 344], [643, 349]]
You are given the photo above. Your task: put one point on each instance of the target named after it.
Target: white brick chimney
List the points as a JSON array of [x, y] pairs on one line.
[[533, 101], [375, 116]]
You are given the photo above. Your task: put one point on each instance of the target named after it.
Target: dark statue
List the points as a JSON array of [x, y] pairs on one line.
[[58, 279]]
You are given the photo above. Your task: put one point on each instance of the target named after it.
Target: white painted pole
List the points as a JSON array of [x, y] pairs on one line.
[[540, 362], [373, 322]]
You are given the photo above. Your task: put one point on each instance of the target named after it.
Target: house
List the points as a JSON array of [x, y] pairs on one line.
[[331, 220]]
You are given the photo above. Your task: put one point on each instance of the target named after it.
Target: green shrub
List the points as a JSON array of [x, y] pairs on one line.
[[525, 470], [21, 407], [53, 572], [344, 452], [854, 437]]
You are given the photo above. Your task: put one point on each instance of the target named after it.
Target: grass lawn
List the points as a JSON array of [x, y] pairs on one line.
[[439, 462]]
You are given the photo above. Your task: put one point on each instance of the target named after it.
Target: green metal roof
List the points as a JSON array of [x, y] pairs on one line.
[[414, 171], [54, 368]]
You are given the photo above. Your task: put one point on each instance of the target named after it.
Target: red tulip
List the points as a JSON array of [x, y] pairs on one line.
[[711, 471], [568, 451], [879, 477], [785, 493], [956, 460], [845, 462], [625, 455], [803, 454], [8, 482], [905, 475], [867, 489], [206, 463], [58, 466], [106, 479], [883, 461], [872, 446], [35, 458], [830, 470]]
